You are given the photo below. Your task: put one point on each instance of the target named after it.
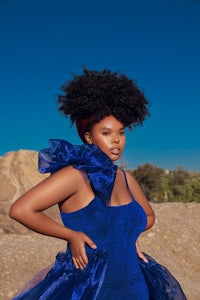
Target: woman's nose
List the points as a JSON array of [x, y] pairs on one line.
[[115, 138]]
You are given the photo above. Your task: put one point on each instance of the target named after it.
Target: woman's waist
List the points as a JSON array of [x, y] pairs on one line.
[[120, 270], [114, 249], [117, 260], [120, 274]]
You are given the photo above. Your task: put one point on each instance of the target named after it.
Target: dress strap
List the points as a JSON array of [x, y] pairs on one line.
[[127, 183]]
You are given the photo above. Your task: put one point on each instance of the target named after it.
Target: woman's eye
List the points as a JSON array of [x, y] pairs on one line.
[[121, 133], [105, 133]]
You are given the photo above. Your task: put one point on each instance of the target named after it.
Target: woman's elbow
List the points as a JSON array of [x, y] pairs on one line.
[[153, 219], [150, 220], [16, 212]]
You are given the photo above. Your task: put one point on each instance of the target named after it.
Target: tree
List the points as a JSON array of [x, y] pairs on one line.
[[160, 185], [149, 178]]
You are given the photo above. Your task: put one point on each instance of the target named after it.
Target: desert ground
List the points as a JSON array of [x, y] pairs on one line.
[[173, 240]]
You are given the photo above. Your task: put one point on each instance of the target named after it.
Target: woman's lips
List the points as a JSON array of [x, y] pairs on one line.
[[115, 151]]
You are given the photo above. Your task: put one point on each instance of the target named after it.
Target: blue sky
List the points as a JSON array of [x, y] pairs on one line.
[[156, 43]]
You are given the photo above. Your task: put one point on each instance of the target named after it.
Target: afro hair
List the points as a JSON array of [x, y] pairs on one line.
[[97, 94]]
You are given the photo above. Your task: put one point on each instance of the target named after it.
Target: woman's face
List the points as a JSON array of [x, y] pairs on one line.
[[109, 136]]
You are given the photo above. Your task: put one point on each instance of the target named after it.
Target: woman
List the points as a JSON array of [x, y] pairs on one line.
[[102, 207]]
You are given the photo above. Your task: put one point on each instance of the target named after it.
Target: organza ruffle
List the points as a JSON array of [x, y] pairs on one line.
[[87, 158], [162, 285], [63, 281]]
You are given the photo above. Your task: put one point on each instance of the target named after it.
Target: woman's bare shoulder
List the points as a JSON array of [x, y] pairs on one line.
[[69, 176], [56, 188], [130, 177], [133, 185]]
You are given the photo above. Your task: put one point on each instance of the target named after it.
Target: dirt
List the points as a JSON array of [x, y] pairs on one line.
[[173, 241]]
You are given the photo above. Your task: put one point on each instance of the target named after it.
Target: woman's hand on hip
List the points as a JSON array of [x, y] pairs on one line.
[[77, 241], [139, 253]]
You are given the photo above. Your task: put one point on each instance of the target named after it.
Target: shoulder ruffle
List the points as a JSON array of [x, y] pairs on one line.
[[99, 168]]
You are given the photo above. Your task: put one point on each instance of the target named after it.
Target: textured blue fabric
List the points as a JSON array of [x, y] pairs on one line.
[[161, 283], [114, 230], [88, 158], [64, 282], [113, 271]]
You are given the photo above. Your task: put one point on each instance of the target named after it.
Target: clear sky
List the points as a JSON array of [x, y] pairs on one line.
[[156, 43]]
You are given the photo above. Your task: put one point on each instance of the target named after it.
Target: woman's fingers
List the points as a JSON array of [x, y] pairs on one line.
[[141, 256], [77, 245], [90, 243], [139, 253], [80, 262], [75, 262]]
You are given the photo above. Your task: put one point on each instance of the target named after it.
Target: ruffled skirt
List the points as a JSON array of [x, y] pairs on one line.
[[64, 282]]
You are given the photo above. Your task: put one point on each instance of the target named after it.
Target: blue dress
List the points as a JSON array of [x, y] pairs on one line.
[[113, 271]]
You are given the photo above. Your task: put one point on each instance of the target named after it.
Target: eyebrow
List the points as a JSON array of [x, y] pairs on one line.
[[108, 128]]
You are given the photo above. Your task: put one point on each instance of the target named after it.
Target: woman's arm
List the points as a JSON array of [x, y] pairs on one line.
[[141, 199], [28, 210], [139, 253]]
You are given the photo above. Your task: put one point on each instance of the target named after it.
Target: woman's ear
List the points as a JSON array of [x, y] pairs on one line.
[[88, 138]]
